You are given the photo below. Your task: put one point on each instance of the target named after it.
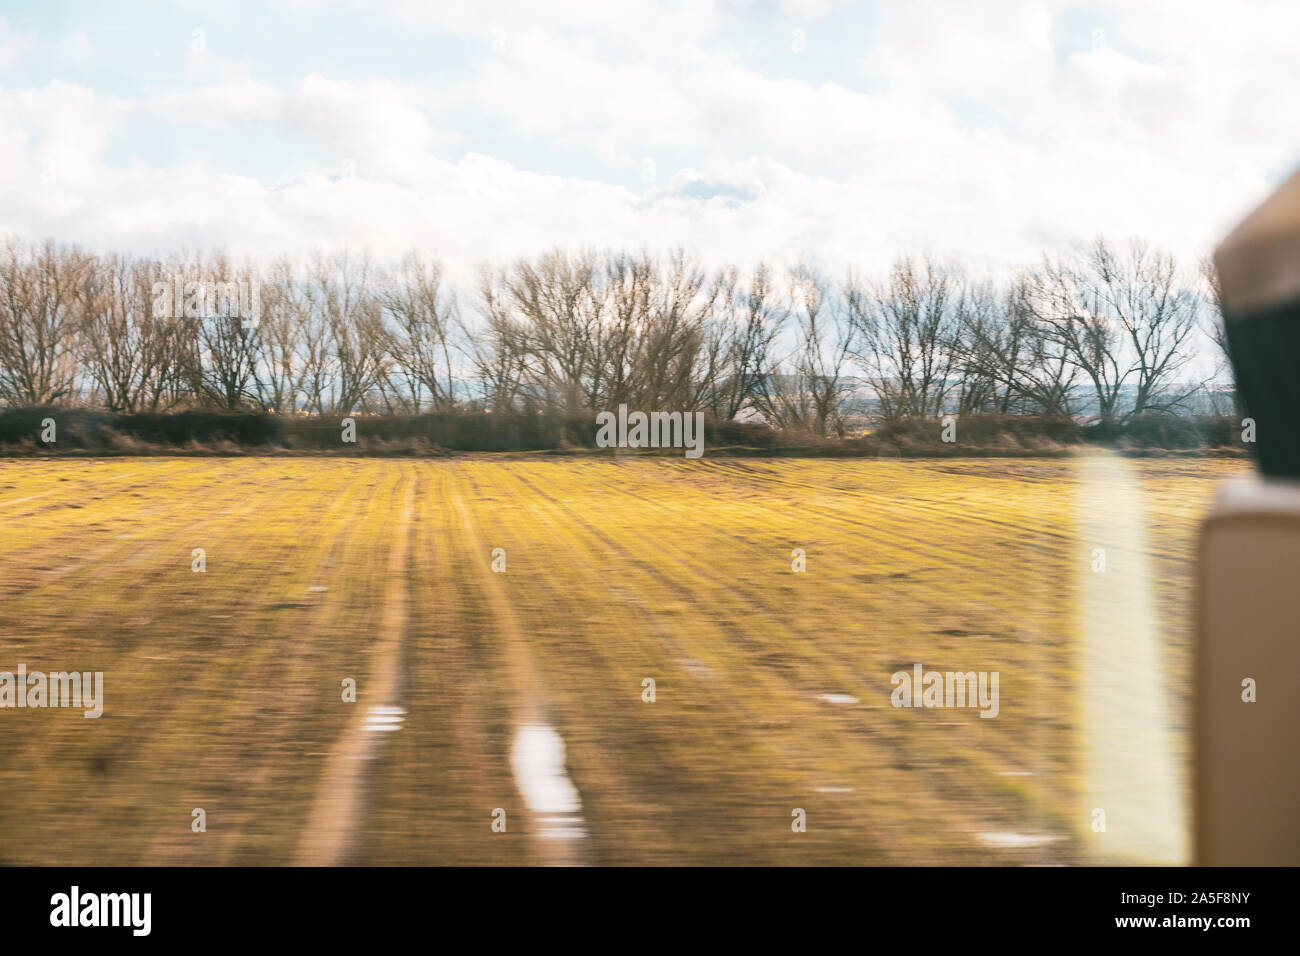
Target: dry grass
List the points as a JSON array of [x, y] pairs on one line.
[[222, 688]]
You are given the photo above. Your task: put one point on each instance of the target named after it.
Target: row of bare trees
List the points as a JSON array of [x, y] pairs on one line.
[[1107, 330]]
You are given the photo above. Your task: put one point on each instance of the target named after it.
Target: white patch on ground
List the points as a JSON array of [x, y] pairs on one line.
[[384, 719], [698, 669], [834, 789], [1009, 840], [838, 699], [538, 764], [1128, 744]]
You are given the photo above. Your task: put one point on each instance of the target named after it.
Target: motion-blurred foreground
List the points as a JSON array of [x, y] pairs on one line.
[[598, 661]]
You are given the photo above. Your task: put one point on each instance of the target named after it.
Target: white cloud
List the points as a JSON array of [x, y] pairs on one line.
[[965, 131], [805, 11], [75, 49], [13, 46]]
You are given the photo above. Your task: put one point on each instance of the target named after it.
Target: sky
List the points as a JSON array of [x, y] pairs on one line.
[[841, 133]]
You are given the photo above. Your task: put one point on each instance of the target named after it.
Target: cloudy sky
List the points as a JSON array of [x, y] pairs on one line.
[[843, 132]]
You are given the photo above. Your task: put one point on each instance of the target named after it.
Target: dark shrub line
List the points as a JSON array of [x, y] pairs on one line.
[[90, 431]]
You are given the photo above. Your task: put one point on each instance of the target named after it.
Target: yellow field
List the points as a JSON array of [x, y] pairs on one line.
[[222, 688]]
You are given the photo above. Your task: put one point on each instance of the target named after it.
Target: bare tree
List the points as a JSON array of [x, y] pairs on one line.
[[1069, 307], [39, 321], [314, 361], [344, 337], [979, 318], [1157, 308], [1008, 361], [285, 314], [498, 349], [629, 289], [227, 343], [417, 335], [906, 326], [560, 302], [806, 389], [747, 320], [1123, 320], [668, 333], [128, 353], [1217, 333], [571, 332]]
